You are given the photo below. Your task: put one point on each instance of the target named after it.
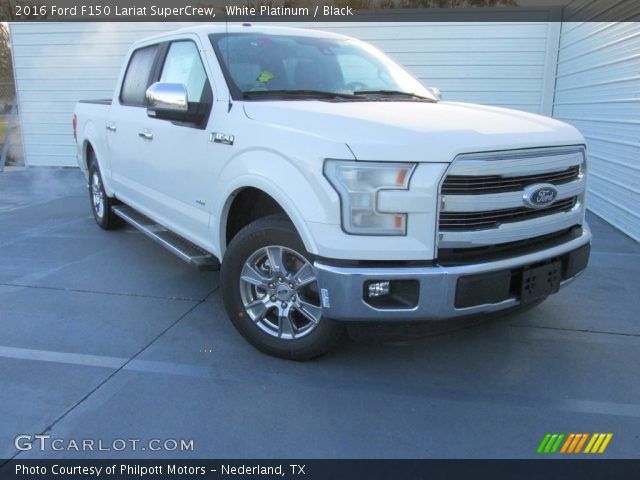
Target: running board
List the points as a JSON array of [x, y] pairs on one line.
[[181, 247]]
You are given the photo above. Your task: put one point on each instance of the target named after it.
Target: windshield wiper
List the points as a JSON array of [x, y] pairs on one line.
[[391, 93], [299, 94]]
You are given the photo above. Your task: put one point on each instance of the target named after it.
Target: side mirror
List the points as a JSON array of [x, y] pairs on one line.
[[170, 97], [435, 91], [169, 101]]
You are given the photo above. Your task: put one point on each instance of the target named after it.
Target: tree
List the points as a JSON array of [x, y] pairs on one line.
[[6, 67], [7, 12]]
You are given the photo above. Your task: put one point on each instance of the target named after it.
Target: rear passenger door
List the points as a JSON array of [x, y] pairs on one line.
[[174, 154], [127, 117]]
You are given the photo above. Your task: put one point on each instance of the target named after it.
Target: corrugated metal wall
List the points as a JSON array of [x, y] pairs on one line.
[[598, 91], [57, 64], [504, 64]]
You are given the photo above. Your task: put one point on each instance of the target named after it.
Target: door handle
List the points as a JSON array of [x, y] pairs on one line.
[[146, 135], [111, 127]]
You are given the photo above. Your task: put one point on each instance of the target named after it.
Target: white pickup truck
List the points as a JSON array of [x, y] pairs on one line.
[[329, 186]]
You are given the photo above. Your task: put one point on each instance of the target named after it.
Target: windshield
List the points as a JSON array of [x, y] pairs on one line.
[[281, 64]]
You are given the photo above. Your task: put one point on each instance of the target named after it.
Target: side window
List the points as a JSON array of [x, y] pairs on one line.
[[136, 80], [183, 65]]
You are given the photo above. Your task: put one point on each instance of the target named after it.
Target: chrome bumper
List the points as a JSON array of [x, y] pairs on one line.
[[342, 288]]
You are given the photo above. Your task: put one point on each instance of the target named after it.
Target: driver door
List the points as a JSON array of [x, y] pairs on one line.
[[179, 175]]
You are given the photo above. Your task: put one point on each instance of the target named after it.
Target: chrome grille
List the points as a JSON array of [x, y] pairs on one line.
[[480, 185], [482, 197], [494, 218]]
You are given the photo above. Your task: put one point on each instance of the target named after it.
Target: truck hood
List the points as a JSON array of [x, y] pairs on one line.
[[415, 131]]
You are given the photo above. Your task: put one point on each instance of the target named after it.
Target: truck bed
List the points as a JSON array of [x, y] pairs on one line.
[[91, 115]]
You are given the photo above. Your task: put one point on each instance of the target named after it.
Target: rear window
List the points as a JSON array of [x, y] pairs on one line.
[[136, 80]]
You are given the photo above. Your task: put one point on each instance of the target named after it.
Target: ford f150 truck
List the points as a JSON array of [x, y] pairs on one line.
[[328, 185]]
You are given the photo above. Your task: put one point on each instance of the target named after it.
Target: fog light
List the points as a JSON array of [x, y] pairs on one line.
[[379, 289], [391, 294]]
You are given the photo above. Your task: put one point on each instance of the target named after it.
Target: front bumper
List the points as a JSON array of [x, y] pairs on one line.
[[343, 289]]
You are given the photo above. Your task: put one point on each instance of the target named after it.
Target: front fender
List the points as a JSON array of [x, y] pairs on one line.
[[295, 187]]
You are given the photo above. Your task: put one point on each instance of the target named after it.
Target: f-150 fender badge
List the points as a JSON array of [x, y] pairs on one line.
[[224, 138]]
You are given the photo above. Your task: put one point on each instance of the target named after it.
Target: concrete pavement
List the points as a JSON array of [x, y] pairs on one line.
[[105, 335]]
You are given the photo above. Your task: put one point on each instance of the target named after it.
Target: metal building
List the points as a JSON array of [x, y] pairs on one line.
[[598, 90]]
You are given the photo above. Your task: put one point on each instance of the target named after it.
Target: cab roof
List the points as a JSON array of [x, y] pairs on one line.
[[204, 30]]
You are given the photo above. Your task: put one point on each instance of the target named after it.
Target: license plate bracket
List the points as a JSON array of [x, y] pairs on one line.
[[539, 282]]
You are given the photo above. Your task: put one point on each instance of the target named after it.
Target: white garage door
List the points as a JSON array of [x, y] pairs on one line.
[[598, 91], [58, 64]]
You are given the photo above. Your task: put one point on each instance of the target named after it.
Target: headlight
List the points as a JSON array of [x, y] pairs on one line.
[[357, 184]]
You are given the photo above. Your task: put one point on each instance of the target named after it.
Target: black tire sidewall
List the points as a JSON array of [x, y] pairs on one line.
[[94, 170], [109, 220], [273, 230]]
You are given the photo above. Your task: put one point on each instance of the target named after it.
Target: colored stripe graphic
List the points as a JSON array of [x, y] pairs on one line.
[[568, 442], [576, 439], [595, 443], [551, 442], [583, 439], [598, 443], [556, 445], [593, 439], [543, 442], [605, 443]]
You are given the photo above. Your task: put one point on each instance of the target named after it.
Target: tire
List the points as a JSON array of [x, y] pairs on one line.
[[277, 310], [100, 203]]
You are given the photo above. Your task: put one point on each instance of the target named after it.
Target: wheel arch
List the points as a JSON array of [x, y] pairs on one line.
[[87, 151], [275, 202], [91, 144]]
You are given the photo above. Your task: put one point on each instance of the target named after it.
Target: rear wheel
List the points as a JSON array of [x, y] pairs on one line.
[[100, 203], [271, 292]]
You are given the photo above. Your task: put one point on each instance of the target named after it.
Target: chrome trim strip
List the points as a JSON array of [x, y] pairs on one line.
[[515, 163], [500, 201], [512, 232], [344, 286]]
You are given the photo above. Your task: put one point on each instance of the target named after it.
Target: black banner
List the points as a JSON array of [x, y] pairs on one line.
[[321, 469], [320, 10]]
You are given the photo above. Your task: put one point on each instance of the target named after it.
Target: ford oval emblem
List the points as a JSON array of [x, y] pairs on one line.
[[540, 195]]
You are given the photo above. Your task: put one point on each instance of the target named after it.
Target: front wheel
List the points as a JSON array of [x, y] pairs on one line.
[[271, 292]]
